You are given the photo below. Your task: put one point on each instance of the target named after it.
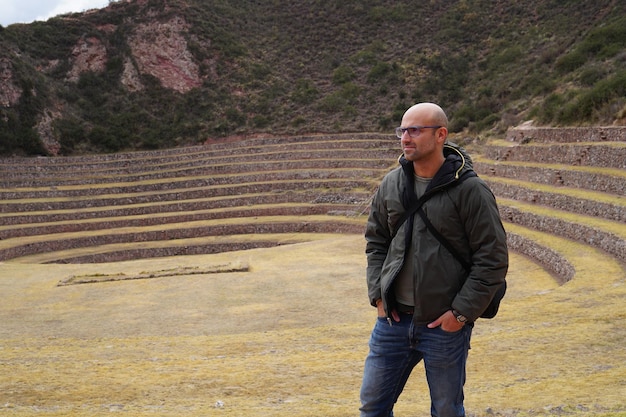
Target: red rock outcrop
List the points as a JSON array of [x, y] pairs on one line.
[[89, 54], [157, 48], [160, 49]]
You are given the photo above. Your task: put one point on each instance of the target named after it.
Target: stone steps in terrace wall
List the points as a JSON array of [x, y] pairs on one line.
[[154, 249], [14, 177], [564, 258], [600, 180], [238, 153], [33, 245], [529, 134], [165, 202], [177, 202], [605, 155], [334, 203], [134, 221], [81, 197], [588, 203], [563, 182], [606, 235]]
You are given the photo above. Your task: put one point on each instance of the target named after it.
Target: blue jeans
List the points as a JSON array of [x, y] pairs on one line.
[[396, 349]]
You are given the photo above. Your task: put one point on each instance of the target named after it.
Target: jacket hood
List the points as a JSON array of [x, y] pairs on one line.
[[457, 161], [450, 148], [457, 164]]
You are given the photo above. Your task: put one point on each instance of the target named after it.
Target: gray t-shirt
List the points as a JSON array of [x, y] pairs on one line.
[[404, 283]]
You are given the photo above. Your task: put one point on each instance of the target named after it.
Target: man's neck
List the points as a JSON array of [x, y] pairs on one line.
[[428, 169]]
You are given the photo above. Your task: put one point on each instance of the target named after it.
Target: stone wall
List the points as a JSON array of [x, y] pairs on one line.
[[51, 200], [596, 181], [554, 263], [559, 201], [330, 201], [125, 218], [131, 254], [525, 134], [206, 183], [605, 156], [591, 236], [225, 230]]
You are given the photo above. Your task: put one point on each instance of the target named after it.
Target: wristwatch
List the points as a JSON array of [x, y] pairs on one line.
[[459, 317]]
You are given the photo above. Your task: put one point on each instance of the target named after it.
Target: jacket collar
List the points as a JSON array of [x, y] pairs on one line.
[[457, 164], [457, 160]]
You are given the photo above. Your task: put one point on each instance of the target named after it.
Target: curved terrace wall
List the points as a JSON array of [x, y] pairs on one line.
[[525, 134], [551, 260], [608, 242], [559, 201], [49, 202], [606, 156], [559, 177]]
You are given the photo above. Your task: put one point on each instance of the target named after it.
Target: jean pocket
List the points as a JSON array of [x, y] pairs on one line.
[[450, 332]]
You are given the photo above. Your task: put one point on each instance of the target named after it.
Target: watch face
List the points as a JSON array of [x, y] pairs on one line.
[[461, 318]]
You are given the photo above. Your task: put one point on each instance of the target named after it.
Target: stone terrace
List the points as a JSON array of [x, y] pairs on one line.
[[232, 195], [566, 182], [219, 197]]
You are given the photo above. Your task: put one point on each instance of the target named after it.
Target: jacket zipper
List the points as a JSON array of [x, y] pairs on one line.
[[432, 190]]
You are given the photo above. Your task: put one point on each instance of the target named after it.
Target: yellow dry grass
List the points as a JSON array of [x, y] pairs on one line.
[[288, 338]]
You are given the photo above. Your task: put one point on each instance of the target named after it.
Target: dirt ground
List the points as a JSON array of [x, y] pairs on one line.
[[286, 338]]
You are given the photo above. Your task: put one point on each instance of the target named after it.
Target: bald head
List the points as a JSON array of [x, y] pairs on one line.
[[424, 145], [429, 112]]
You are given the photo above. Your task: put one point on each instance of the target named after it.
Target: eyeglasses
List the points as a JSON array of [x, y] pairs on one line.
[[414, 131]]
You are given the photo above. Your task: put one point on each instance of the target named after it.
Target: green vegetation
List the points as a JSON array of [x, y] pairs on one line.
[[284, 68]]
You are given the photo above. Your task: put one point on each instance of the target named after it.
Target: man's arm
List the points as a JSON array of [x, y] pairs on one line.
[[487, 241], [376, 235]]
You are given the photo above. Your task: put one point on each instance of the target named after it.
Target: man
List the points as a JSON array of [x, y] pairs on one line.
[[428, 298]]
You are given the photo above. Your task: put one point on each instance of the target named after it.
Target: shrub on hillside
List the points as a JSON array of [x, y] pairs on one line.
[[585, 105], [602, 42]]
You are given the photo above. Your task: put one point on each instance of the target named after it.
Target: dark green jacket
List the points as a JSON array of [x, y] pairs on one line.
[[463, 209]]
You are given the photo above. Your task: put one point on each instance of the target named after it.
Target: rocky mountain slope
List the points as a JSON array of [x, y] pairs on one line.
[[146, 74]]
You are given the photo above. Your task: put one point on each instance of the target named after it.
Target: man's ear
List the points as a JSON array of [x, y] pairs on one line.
[[442, 134]]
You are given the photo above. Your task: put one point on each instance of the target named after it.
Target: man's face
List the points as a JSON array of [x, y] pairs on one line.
[[419, 144]]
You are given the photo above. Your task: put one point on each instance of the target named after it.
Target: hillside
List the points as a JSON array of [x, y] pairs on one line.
[[150, 74]]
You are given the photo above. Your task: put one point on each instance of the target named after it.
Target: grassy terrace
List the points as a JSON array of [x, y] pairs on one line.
[[51, 205], [287, 334], [609, 180]]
